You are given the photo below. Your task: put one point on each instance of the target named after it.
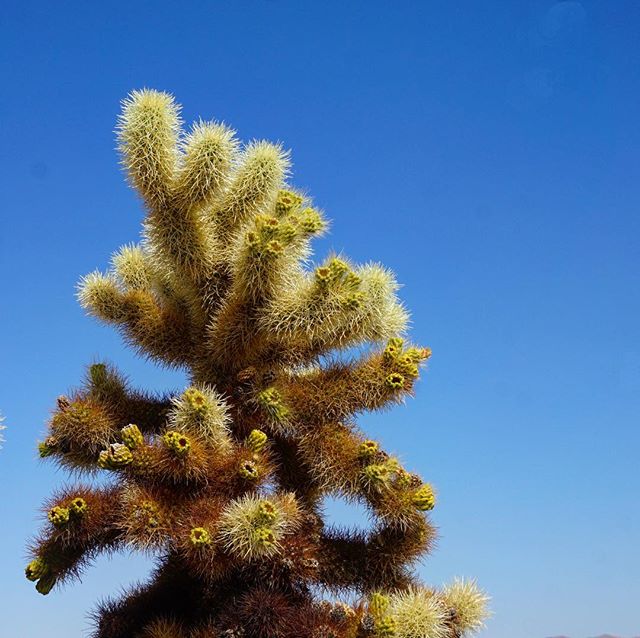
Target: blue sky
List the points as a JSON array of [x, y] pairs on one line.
[[486, 151]]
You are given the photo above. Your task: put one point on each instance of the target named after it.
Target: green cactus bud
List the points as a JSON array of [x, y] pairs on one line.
[[338, 268], [47, 447], [115, 457], [424, 499], [311, 221], [269, 397], [287, 233], [196, 400], [36, 569], [394, 348], [367, 449], [256, 440], [58, 516], [403, 479], [267, 512], [416, 355], [271, 401], [273, 248], [386, 627], [253, 241], [323, 275], [248, 470], [407, 366], [98, 374], [287, 201], [199, 537], [264, 537], [354, 300], [131, 436], [268, 227], [177, 442], [378, 605], [376, 473], [395, 381], [78, 507], [45, 584]]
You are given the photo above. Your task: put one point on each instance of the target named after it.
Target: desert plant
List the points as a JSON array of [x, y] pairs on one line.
[[224, 481]]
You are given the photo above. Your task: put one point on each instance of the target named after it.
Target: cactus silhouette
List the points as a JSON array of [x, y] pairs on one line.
[[224, 482]]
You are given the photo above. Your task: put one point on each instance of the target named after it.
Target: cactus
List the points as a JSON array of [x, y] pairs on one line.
[[224, 481]]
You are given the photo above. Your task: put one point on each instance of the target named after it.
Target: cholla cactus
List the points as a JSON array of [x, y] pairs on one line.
[[224, 481]]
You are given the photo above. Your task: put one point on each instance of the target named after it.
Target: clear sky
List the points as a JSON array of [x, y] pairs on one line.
[[486, 151]]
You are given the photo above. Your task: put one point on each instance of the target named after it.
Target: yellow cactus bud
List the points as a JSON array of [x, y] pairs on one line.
[[287, 233], [424, 499], [58, 516], [36, 569], [196, 400], [256, 440], [115, 456], [407, 366], [131, 436], [267, 512], [394, 348], [311, 221], [403, 479], [395, 381], [253, 241], [268, 227], [378, 605], [338, 267], [78, 507], [323, 275], [416, 355], [264, 537], [274, 248], [248, 470], [386, 627], [177, 442], [270, 223], [199, 537], [287, 201], [376, 474], [368, 448]]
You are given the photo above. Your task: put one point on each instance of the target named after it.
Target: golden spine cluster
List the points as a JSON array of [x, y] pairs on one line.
[[224, 482]]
